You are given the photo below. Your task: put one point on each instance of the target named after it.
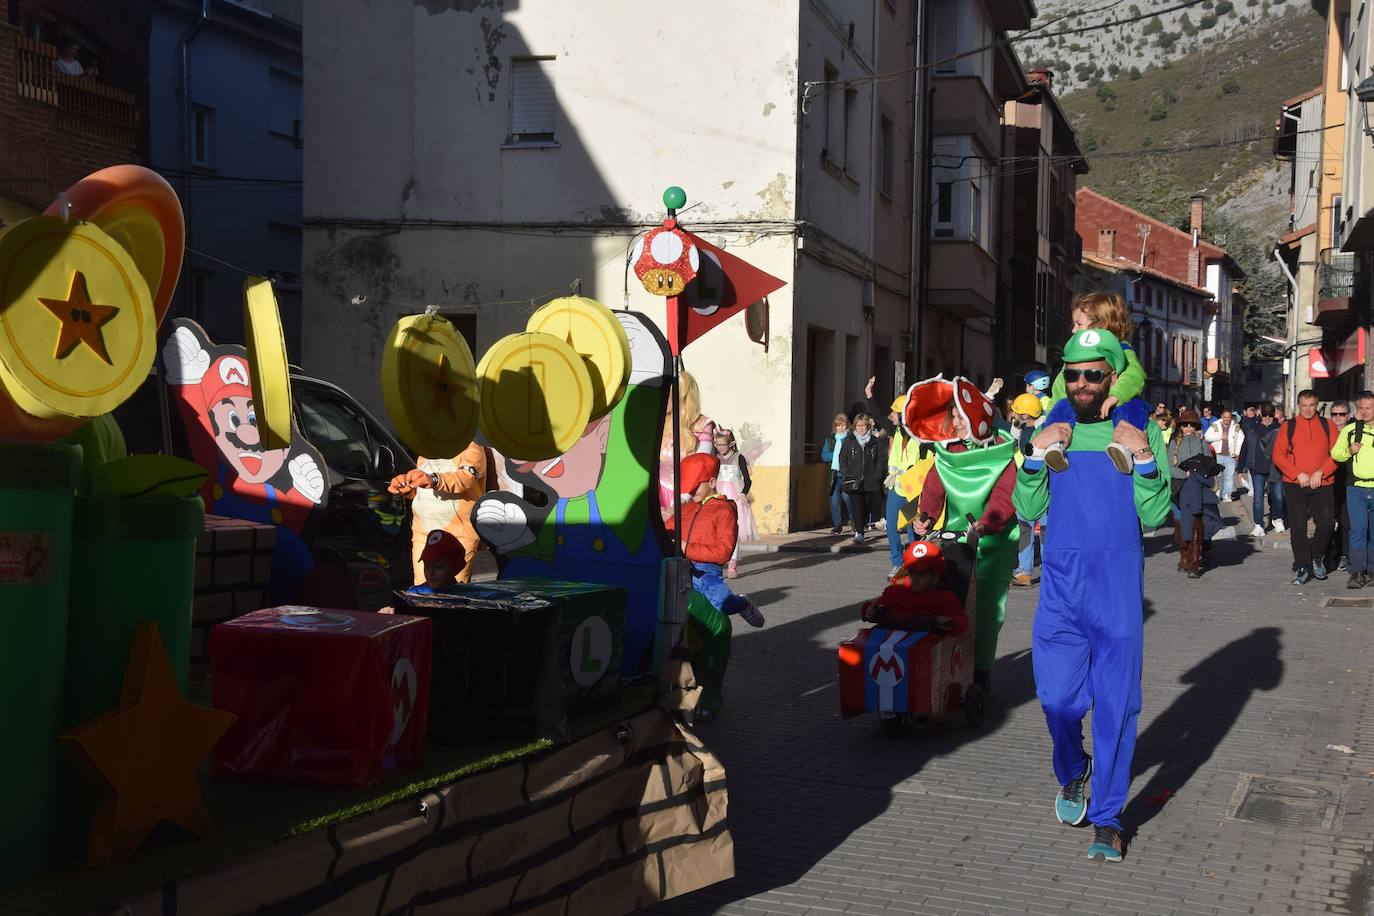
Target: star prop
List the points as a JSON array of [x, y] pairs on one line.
[[81, 320], [443, 382], [142, 755]]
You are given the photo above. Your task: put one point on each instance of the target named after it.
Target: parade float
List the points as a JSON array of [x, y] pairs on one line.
[[511, 746]]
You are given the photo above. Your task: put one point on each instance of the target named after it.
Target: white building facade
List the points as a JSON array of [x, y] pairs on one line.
[[486, 158]]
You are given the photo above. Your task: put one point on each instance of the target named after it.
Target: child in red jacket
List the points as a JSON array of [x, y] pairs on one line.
[[712, 532], [914, 601]]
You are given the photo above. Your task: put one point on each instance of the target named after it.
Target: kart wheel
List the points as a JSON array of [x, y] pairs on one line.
[[893, 727], [973, 704]]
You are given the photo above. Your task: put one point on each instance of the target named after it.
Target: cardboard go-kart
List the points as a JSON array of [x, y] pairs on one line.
[[915, 678]]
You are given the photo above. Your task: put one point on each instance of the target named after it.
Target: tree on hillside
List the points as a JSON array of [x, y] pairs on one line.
[[1153, 25]]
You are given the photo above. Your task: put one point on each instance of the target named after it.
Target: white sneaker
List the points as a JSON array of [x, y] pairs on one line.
[[752, 615], [1056, 459], [1257, 531], [1278, 524]]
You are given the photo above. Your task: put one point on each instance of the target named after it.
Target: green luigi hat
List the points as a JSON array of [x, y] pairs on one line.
[[1094, 344]]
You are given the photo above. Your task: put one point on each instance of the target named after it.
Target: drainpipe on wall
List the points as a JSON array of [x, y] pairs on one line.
[[1290, 334], [187, 126], [915, 270]]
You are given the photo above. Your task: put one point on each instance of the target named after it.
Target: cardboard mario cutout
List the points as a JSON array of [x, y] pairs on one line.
[[279, 486]]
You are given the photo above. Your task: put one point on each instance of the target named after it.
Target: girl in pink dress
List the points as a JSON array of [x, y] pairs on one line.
[[733, 481], [696, 435]]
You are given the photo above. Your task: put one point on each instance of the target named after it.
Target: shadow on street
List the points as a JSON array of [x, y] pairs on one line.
[[1183, 737]]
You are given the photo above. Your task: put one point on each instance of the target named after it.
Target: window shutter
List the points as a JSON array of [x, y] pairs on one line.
[[532, 100]]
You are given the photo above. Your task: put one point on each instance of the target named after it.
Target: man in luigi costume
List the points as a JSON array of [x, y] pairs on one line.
[[1087, 643]]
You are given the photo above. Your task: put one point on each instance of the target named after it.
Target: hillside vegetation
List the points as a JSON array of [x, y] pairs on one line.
[[1154, 38], [1203, 123]]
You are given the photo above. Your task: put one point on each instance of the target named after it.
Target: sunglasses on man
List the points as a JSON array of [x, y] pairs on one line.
[[1091, 376], [1340, 413], [1187, 426]]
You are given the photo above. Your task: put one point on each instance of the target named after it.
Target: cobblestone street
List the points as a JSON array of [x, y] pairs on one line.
[[1257, 703]]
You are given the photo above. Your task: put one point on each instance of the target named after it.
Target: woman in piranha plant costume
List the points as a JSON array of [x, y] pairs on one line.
[[974, 475]]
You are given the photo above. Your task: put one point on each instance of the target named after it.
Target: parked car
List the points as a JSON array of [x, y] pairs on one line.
[[363, 530]]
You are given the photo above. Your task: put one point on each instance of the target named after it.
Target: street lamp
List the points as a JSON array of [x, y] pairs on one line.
[[1364, 92]]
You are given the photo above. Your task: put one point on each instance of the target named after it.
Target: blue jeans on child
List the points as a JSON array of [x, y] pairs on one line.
[[1360, 502], [895, 501], [707, 579], [1135, 412], [836, 500], [1025, 557]]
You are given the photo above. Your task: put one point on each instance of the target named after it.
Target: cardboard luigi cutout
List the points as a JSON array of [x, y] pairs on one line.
[[280, 486], [598, 520]]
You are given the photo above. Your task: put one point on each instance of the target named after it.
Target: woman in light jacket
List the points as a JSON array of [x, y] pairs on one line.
[[830, 453]]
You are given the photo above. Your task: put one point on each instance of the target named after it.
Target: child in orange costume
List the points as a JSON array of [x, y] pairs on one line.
[[913, 601], [712, 533], [454, 486]]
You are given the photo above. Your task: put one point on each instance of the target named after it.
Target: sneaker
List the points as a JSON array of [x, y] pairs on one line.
[[1021, 578], [835, 530], [1121, 457], [1106, 845], [751, 614], [1302, 576], [1071, 804], [858, 540], [731, 572], [1257, 531], [1365, 578], [1356, 581], [1279, 525], [1344, 563], [893, 573], [1056, 459], [1318, 569]]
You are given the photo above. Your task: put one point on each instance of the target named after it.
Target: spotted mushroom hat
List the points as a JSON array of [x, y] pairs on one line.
[[927, 409], [976, 408], [666, 260]]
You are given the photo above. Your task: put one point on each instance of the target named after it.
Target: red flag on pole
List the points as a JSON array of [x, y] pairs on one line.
[[724, 285]]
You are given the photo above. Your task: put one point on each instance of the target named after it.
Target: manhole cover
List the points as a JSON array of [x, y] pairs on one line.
[[1347, 602], [1285, 803]]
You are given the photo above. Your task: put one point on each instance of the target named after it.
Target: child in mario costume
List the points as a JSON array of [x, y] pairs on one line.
[[443, 557], [914, 600], [712, 531]]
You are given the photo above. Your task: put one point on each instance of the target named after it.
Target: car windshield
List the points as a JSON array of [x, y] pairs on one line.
[[338, 431]]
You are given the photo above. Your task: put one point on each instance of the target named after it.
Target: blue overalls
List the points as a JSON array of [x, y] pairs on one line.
[[291, 558], [592, 552], [1088, 637]]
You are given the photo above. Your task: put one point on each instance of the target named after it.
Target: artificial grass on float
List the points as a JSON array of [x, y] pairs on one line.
[[250, 816]]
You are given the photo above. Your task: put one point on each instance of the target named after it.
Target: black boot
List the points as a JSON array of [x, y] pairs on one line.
[[983, 679]]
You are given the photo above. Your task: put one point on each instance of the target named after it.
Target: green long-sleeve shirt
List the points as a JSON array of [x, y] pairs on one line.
[[1129, 383], [1032, 495]]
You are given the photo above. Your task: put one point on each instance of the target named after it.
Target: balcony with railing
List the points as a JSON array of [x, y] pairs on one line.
[[1335, 287], [67, 125]]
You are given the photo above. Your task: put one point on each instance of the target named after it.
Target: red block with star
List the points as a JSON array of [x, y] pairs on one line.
[[327, 697]]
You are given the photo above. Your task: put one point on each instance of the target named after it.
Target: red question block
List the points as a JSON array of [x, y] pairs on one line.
[[327, 697]]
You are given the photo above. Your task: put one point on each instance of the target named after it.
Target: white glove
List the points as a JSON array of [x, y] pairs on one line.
[[502, 524], [306, 477], [648, 360], [183, 358], [890, 481]]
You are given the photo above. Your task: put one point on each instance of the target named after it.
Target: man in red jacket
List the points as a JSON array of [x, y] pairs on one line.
[[1302, 454], [712, 531]]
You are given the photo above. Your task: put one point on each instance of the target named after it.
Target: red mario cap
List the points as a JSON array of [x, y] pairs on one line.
[[923, 556], [697, 468], [227, 377], [440, 545]]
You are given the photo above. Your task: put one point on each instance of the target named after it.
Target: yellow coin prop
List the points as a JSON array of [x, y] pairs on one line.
[[429, 385], [592, 330], [77, 328], [536, 394], [268, 370]]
